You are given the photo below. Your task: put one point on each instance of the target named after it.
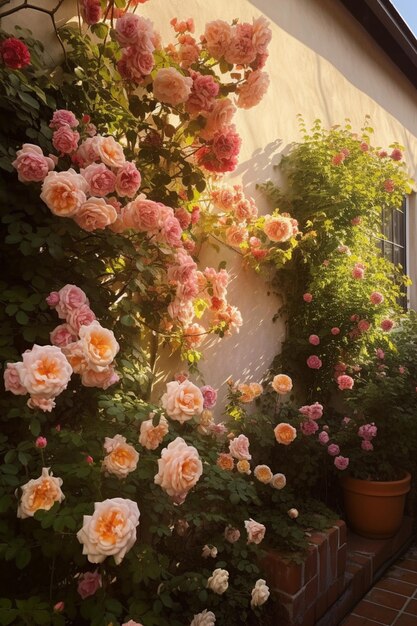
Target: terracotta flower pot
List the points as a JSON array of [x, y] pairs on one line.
[[375, 509]]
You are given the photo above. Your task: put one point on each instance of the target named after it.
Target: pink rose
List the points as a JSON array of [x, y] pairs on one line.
[[312, 411], [142, 215], [219, 117], [309, 427], [241, 50], [355, 221], [396, 155], [172, 87], [389, 185], [65, 140], [209, 395], [101, 181], [128, 180], [62, 335], [256, 531], [323, 437], [380, 353], [217, 35], [62, 117], [81, 316], [64, 192], [88, 584], [333, 449], [179, 468], [203, 93], [239, 448], [364, 326], [189, 52], [12, 379], [95, 214], [314, 340], [231, 534], [364, 146], [345, 382], [307, 297], [335, 330], [387, 325], [91, 11], [41, 442], [135, 30], [171, 232], [376, 297], [251, 92], [135, 64], [31, 164], [367, 445], [70, 297], [52, 299], [235, 235], [220, 155], [368, 431], [338, 158], [313, 362], [184, 217], [87, 152], [261, 34], [341, 462], [358, 271]]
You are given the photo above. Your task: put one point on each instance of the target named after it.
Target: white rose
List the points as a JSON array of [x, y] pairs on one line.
[[218, 581], [99, 345], [182, 400], [122, 458], [110, 531], [260, 593], [40, 493], [206, 618]]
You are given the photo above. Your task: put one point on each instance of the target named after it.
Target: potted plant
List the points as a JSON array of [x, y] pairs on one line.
[[374, 446]]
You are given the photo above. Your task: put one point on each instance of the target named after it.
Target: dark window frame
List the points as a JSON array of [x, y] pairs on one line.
[[393, 244]]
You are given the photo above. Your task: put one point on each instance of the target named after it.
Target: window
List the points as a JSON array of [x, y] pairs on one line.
[[393, 247]]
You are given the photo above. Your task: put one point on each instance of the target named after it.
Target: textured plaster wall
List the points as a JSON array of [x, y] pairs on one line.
[[323, 65]]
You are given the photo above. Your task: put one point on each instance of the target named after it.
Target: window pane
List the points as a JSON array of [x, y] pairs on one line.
[[398, 227], [389, 251], [399, 256], [387, 224]]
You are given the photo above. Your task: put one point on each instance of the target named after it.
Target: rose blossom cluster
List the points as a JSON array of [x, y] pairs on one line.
[[237, 221], [85, 196], [135, 35], [311, 413], [367, 432], [89, 348]]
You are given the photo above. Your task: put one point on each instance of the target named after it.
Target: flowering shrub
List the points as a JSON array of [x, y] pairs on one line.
[[343, 311]]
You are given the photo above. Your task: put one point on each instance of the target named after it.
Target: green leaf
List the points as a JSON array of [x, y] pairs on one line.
[[22, 318], [27, 99]]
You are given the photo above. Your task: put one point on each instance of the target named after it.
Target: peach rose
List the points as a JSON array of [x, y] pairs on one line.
[[45, 371], [40, 493], [172, 87], [251, 92], [110, 531], [103, 379], [285, 433], [282, 384], [99, 345], [218, 118], [225, 462], [151, 436], [76, 357], [122, 458], [182, 401], [239, 448], [278, 481], [42, 403], [109, 151], [243, 467], [205, 618], [231, 534], [64, 192], [95, 214], [179, 468], [279, 228], [31, 164], [263, 474], [261, 34], [142, 214], [218, 35], [246, 393], [256, 389], [128, 180], [12, 379], [256, 531], [235, 235]]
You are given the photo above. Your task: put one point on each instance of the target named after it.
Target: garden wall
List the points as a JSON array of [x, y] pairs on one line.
[[323, 65]]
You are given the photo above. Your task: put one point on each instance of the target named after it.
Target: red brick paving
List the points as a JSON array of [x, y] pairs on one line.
[[393, 599]]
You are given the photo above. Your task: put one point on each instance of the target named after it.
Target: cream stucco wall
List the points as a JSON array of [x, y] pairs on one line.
[[323, 65]]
